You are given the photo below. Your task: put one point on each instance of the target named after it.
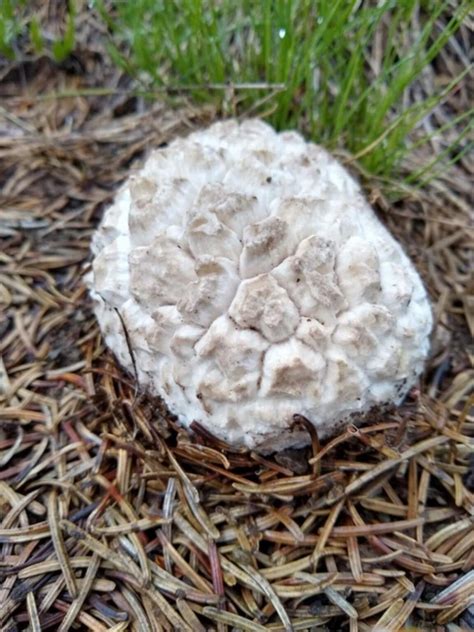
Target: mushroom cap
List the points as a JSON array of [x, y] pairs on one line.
[[252, 281]]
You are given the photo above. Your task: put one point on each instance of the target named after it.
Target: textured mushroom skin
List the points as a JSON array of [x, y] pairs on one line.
[[255, 283]]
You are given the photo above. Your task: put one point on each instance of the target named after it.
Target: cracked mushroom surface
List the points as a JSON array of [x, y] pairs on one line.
[[255, 282]]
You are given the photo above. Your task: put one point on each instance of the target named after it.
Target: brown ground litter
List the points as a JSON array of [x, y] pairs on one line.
[[112, 517]]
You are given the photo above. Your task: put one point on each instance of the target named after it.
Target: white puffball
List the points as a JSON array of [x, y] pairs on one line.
[[255, 283]]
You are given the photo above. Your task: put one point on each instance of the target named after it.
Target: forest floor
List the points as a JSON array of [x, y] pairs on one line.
[[114, 518]]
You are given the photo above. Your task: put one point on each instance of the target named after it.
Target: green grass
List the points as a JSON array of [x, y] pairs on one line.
[[19, 23], [316, 59], [338, 70], [11, 26]]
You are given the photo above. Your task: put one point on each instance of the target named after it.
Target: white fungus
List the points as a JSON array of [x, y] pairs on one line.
[[252, 281]]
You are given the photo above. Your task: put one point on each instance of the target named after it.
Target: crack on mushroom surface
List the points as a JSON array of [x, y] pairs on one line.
[[257, 283]]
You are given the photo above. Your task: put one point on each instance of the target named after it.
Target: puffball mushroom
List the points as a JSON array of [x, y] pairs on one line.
[[251, 281]]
